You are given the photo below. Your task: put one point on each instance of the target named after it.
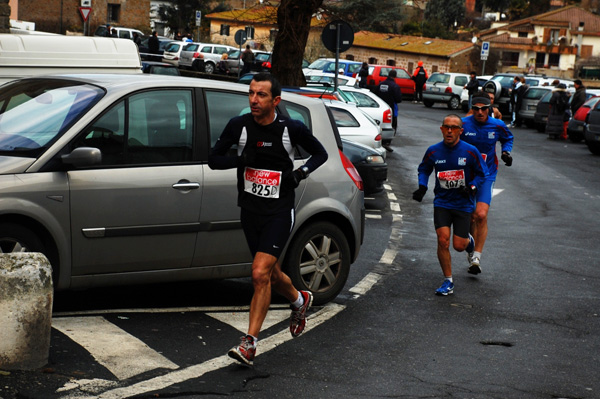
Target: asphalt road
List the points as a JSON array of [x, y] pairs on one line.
[[527, 327]]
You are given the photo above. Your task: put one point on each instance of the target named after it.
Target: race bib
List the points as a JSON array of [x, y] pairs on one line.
[[451, 179], [262, 183]]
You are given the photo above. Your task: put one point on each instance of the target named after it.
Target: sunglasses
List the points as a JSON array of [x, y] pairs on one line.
[[452, 127], [483, 108]]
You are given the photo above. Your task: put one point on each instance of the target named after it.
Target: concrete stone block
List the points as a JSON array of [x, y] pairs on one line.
[[26, 295]]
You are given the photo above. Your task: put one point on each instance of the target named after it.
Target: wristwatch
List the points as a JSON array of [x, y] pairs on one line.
[[305, 171]]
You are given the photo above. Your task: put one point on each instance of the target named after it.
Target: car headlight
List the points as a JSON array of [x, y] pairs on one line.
[[374, 159]]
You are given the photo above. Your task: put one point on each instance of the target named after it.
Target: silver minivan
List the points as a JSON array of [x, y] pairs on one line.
[[107, 175]]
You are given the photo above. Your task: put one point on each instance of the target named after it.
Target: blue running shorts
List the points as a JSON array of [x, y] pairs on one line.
[[484, 194]]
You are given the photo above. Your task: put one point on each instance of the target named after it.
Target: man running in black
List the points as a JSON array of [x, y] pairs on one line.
[[266, 181]]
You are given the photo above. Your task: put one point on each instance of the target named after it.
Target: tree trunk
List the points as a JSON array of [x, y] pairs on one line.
[[293, 21]]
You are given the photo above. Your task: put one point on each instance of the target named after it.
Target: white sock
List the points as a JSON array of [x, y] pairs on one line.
[[298, 302], [253, 337], [477, 254], [449, 279]]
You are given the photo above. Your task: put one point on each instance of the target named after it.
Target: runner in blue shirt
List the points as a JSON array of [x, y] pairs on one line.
[[459, 171], [484, 132]]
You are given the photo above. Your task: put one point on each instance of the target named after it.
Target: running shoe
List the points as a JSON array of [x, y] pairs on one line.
[[447, 288], [298, 317], [475, 268], [245, 351]]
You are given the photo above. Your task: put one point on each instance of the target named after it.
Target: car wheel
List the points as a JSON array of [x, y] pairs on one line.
[[209, 67], [454, 103], [428, 103], [318, 260], [540, 127], [593, 147]]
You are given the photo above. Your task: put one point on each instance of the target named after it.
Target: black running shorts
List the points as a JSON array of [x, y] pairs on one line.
[[461, 220], [267, 233]]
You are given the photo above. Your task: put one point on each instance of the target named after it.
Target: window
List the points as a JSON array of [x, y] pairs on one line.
[[224, 29], [390, 62], [522, 34], [344, 118], [249, 32], [124, 34], [553, 59], [350, 57], [148, 128], [510, 58], [219, 116], [372, 60], [113, 13], [402, 74], [434, 68], [461, 80], [362, 100]]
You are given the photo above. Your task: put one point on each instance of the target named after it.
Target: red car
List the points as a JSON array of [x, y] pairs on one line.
[[575, 127], [378, 73]]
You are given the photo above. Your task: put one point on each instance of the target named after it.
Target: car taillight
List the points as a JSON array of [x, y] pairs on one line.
[[352, 172], [196, 55], [448, 89], [387, 116], [378, 137]]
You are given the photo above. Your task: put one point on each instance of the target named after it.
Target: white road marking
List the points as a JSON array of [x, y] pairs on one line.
[[387, 186], [388, 256], [366, 284], [391, 196], [239, 320], [497, 191], [121, 353], [368, 216], [198, 370], [395, 207]]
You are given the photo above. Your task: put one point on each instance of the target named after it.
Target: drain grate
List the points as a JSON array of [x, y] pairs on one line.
[[497, 343]]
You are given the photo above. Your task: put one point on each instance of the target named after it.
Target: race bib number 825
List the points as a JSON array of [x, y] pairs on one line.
[[262, 183]]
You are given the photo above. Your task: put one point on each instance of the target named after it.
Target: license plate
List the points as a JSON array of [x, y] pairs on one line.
[[580, 128], [532, 107], [435, 89]]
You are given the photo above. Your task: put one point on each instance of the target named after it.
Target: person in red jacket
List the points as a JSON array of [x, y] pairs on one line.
[[420, 76]]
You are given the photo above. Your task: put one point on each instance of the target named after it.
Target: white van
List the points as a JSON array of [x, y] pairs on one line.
[[29, 55]]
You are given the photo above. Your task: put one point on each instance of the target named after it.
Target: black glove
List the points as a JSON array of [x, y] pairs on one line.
[[468, 191], [420, 193], [292, 179], [506, 158]]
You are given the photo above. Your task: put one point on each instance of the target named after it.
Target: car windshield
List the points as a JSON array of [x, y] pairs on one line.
[[173, 47], [505, 81], [262, 57], [535, 93], [546, 97], [318, 64], [34, 113], [439, 78]]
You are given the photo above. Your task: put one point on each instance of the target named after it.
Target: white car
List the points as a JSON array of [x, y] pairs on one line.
[[173, 52], [371, 104], [328, 78], [212, 55], [355, 125], [464, 96], [444, 88], [188, 54]]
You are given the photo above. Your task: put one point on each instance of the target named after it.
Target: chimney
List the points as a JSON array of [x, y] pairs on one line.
[[470, 6], [579, 38]]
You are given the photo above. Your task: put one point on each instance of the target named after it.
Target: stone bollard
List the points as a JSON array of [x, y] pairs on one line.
[[26, 295]]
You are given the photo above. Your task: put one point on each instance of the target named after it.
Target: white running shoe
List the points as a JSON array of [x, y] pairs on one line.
[[475, 268]]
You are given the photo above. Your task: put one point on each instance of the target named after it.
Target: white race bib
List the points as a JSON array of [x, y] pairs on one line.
[[451, 179], [262, 183]]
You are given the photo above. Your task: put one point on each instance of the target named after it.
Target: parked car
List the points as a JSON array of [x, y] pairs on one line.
[[160, 68], [540, 118], [189, 53], [327, 65], [355, 125], [444, 88], [529, 103], [144, 50], [370, 165], [379, 73], [212, 55], [173, 52], [501, 85], [374, 106], [464, 96], [591, 130], [322, 78], [113, 202], [576, 124], [123, 33]]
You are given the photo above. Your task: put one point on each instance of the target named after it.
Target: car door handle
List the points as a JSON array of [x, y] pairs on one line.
[[185, 185]]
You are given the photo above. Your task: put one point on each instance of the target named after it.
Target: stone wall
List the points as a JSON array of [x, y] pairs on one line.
[[4, 16], [47, 14]]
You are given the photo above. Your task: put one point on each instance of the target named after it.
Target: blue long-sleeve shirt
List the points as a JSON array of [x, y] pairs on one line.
[[484, 136], [455, 167]]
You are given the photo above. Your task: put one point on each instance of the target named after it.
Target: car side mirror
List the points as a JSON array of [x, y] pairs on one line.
[[83, 156]]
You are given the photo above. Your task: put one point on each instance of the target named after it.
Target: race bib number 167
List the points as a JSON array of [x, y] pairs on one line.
[[262, 183]]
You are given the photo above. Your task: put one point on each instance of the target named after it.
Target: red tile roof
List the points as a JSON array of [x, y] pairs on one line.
[[410, 44]]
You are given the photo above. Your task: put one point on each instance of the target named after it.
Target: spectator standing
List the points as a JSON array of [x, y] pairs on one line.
[[420, 76], [362, 74], [516, 100], [247, 59], [137, 40], [153, 43], [459, 171], [266, 143], [579, 97], [389, 91], [472, 86], [108, 31], [113, 33], [558, 116]]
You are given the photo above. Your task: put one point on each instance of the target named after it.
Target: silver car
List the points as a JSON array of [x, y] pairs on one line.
[[107, 175]]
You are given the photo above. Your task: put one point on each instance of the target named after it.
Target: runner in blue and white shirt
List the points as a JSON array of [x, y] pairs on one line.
[[484, 132], [459, 171]]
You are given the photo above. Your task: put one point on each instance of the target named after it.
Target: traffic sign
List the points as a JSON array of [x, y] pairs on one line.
[[198, 17], [337, 36], [85, 12], [485, 50], [240, 36]]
